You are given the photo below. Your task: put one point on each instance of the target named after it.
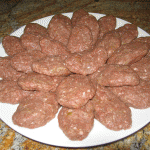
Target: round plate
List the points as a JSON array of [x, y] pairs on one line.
[[51, 133]]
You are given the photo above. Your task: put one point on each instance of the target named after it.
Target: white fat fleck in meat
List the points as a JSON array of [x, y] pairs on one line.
[[88, 90], [83, 94], [81, 132]]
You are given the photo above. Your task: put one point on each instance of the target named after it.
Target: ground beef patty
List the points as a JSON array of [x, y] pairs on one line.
[[92, 23], [142, 67], [80, 39], [118, 75], [6, 70], [77, 15], [53, 47], [106, 24], [36, 110], [93, 76], [134, 96], [59, 28], [51, 66], [76, 123], [12, 45], [35, 81], [31, 41], [74, 91], [110, 110], [87, 62], [11, 93], [128, 32], [129, 53], [111, 41], [35, 28], [23, 61]]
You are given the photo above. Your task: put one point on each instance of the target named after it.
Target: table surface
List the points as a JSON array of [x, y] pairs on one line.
[[16, 13]]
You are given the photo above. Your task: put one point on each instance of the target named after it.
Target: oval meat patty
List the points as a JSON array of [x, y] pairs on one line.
[[118, 75], [35, 28], [6, 70], [51, 66], [80, 39], [110, 110], [91, 22], [128, 32], [87, 62], [134, 96], [36, 110], [35, 81], [77, 15], [53, 47], [23, 61], [106, 24], [31, 41], [111, 41], [11, 93], [12, 45], [129, 53], [76, 123], [59, 28], [74, 91], [142, 68]]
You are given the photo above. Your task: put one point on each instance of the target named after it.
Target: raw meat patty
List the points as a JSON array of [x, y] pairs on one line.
[[106, 24], [74, 91], [142, 67], [80, 39], [59, 28], [6, 70], [134, 96], [11, 93], [36, 110], [129, 53], [87, 62], [118, 75], [51, 66], [23, 61], [76, 123], [110, 110], [12, 45]]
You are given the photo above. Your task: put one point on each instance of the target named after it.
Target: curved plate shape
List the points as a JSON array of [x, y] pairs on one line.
[[51, 134]]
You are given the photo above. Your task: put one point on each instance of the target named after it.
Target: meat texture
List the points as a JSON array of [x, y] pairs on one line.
[[110, 110], [129, 53], [75, 91], [87, 62], [23, 61], [91, 22], [111, 41], [76, 123], [80, 39], [35, 28], [142, 68], [128, 32], [53, 48], [12, 45], [106, 24], [134, 96], [36, 110], [77, 15], [34, 81], [59, 28], [11, 93], [118, 75], [51, 66], [6, 70]]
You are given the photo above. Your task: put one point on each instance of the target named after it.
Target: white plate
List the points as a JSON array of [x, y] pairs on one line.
[[51, 134]]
